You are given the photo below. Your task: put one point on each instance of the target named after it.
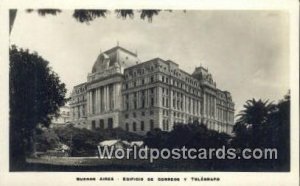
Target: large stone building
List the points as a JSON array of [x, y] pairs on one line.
[[62, 118], [139, 96]]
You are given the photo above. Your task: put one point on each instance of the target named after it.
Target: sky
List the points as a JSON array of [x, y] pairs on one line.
[[247, 52]]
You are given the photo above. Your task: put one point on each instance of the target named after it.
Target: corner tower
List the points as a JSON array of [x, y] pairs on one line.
[[104, 87]]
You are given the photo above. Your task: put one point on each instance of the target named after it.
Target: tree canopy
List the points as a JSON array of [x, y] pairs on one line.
[[36, 93]]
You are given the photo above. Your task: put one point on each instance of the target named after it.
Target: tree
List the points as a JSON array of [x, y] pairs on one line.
[[36, 93], [265, 125], [156, 138], [279, 135], [255, 112], [88, 15], [251, 125]]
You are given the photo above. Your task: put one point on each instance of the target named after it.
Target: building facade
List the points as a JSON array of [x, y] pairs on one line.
[[62, 118], [138, 97]]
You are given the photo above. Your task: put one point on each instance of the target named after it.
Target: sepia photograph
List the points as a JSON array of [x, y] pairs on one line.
[[182, 90], [151, 95]]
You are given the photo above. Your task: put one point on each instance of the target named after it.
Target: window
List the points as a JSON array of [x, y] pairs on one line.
[[151, 112], [111, 98], [151, 124], [152, 90], [93, 124], [163, 78], [152, 101], [143, 103], [134, 84], [101, 124], [126, 116], [135, 104], [152, 79], [167, 125], [174, 103], [143, 81], [134, 126], [142, 126], [78, 110], [110, 123], [83, 110], [134, 115], [127, 126], [143, 113]]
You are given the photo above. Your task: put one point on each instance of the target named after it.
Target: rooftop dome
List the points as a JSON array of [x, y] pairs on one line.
[[116, 56]]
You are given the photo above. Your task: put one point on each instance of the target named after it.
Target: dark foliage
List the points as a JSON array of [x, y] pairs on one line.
[[118, 133], [44, 12], [189, 135], [84, 142], [46, 139], [148, 14], [264, 125], [125, 13], [35, 93], [86, 15]]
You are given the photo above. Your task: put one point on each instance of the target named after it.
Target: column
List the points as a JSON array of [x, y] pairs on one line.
[[87, 103], [91, 102], [215, 108], [184, 109], [115, 96], [100, 100], [199, 108], [204, 104], [119, 96], [96, 101], [107, 97]]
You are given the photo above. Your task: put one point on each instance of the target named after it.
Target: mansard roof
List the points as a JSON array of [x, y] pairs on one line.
[[121, 48], [116, 56]]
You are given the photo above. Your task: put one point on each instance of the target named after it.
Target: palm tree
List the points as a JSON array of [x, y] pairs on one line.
[[253, 122], [256, 112]]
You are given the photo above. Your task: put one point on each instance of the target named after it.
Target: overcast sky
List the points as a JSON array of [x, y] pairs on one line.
[[246, 51]]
